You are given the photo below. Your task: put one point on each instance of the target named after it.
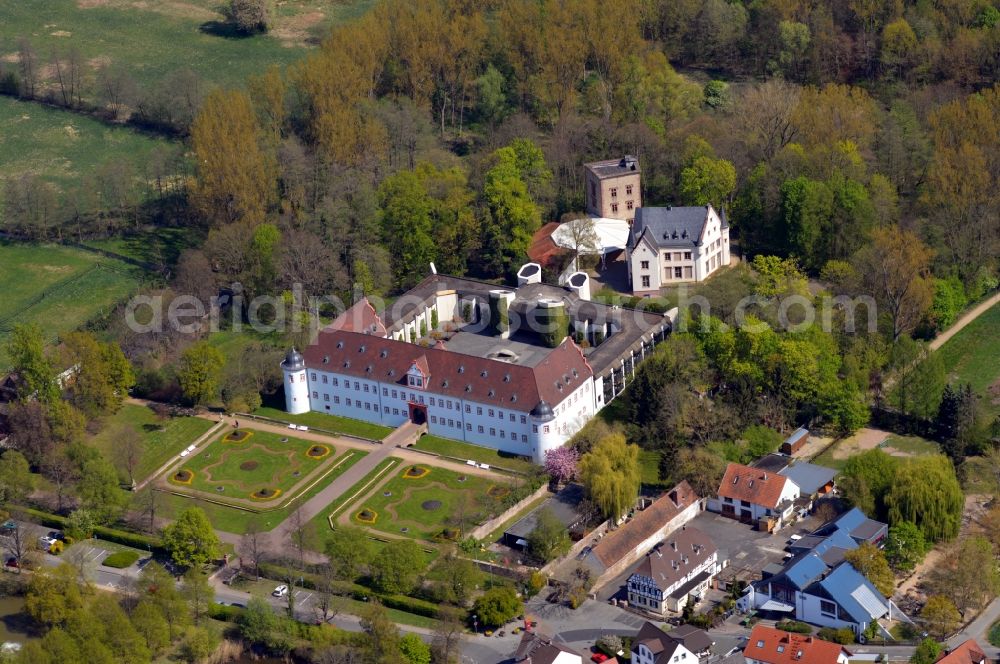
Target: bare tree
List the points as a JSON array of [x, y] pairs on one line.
[[116, 89], [61, 473], [22, 546], [300, 536], [765, 117], [328, 604], [582, 235], [128, 450], [27, 60], [250, 546], [61, 68], [150, 504], [447, 639]]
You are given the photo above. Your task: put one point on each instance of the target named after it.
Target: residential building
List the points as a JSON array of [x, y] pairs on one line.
[[672, 245], [967, 652], [654, 646], [490, 374], [651, 524], [767, 645], [756, 496], [681, 567], [818, 586], [536, 648], [814, 481], [613, 188], [855, 523]]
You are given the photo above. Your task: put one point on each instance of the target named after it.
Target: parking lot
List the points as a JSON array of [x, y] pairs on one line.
[[747, 550]]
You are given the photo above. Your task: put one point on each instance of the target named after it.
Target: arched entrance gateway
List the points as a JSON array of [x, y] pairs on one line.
[[418, 413]]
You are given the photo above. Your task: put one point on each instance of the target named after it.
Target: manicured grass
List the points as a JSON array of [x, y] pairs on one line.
[[426, 505], [321, 522], [911, 445], [826, 459], [57, 287], [328, 423], [164, 439], [994, 635], [649, 468], [464, 451], [234, 520], [121, 559], [971, 356], [262, 460], [62, 146]]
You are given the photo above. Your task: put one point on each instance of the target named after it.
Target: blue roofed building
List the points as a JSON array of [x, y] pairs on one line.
[[817, 585]]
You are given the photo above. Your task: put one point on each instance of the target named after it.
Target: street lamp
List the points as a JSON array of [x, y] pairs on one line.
[[475, 623]]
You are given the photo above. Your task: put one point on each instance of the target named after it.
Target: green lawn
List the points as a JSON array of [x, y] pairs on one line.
[[973, 356], [328, 423], [153, 39], [261, 461], [321, 522], [464, 451], [57, 287], [235, 520], [424, 506], [164, 439], [157, 246], [62, 146], [649, 468], [911, 446]]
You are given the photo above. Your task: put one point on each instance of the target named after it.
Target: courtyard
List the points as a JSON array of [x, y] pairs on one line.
[[251, 465], [429, 502]]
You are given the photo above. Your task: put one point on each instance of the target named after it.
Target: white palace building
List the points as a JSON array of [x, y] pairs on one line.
[[516, 369]]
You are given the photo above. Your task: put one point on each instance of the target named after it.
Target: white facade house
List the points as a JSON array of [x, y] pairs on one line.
[[683, 645], [681, 567], [755, 496], [497, 383], [672, 245]]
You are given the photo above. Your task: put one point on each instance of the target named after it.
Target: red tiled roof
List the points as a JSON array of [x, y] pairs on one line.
[[752, 485], [360, 317], [479, 379], [794, 648], [618, 543], [543, 248], [968, 652]]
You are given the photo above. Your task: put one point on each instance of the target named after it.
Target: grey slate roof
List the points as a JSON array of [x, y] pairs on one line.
[[810, 477], [671, 226], [612, 167]]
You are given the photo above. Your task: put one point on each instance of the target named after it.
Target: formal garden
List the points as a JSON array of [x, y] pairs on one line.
[[431, 503], [252, 465]]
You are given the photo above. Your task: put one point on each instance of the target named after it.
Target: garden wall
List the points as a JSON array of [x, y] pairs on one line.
[[485, 529]]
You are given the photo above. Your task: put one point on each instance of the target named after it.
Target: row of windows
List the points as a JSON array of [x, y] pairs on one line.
[[628, 191], [677, 256], [629, 205]]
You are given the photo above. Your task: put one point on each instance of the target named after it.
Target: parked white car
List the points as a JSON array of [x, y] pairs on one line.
[[280, 591]]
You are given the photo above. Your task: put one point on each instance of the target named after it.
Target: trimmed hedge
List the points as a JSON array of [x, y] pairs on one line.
[[121, 559], [356, 591], [794, 626], [224, 612], [123, 537]]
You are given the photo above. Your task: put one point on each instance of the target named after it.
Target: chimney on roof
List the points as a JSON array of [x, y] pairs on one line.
[[673, 498], [764, 477]]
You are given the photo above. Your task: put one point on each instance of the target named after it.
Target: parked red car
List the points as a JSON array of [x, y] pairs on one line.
[[598, 657]]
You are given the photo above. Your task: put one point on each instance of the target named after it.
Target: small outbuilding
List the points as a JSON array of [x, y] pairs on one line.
[[564, 505]]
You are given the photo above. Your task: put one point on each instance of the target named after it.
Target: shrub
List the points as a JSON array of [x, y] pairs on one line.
[[844, 636], [794, 626], [121, 559]]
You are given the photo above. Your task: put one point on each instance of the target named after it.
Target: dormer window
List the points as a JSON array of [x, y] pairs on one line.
[[492, 393], [326, 359], [361, 350], [506, 378], [461, 368], [384, 353], [484, 373], [347, 364], [416, 381], [340, 344]]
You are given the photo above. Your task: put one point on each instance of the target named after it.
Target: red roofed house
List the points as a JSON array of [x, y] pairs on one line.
[[767, 645], [755, 496], [968, 652]]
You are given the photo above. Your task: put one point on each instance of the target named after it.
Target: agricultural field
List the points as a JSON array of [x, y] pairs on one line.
[[424, 502], [256, 465], [61, 146], [164, 439], [154, 39], [59, 288], [973, 356]]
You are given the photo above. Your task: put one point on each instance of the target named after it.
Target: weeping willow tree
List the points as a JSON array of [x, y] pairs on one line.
[[926, 492], [610, 473]]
